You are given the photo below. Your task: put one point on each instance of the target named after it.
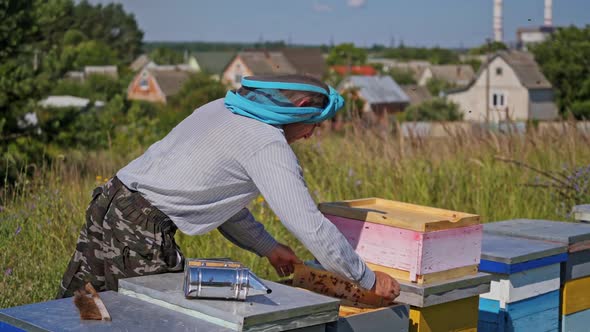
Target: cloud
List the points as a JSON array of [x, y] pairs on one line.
[[357, 3], [321, 7]]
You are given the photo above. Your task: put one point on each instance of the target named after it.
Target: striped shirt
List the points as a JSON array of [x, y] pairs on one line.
[[206, 171]]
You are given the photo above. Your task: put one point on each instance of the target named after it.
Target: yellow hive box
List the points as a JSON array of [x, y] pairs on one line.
[[576, 296], [460, 315]]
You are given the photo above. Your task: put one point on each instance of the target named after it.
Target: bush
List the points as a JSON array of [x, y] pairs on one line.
[[437, 109]]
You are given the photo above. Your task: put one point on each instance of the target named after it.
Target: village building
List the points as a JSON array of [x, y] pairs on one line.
[[457, 75], [417, 94], [509, 87], [264, 62], [343, 70], [157, 84], [381, 97], [212, 63]]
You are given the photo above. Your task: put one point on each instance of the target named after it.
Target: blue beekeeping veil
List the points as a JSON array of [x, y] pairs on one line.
[[261, 98]]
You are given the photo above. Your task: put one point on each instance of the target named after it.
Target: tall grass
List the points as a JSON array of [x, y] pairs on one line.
[[41, 216]]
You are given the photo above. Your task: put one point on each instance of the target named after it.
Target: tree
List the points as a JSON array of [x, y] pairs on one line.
[[492, 47], [436, 85], [111, 25], [166, 56], [564, 59], [402, 76], [437, 109], [345, 54]]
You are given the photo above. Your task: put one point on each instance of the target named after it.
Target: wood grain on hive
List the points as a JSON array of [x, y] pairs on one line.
[[525, 315], [397, 214], [412, 241], [352, 319], [576, 236], [127, 313], [576, 296], [460, 315], [286, 308]]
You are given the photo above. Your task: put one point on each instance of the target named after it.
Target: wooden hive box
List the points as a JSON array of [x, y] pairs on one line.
[[127, 313], [410, 242], [576, 236], [450, 305], [533, 314], [575, 308], [284, 309], [525, 289]]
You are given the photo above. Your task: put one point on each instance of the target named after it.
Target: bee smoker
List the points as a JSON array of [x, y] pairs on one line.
[[220, 279]]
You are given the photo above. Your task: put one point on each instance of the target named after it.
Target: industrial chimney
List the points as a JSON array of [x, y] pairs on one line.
[[548, 13], [498, 34]]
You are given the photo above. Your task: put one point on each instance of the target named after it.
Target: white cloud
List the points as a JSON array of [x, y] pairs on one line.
[[321, 7], [357, 3]]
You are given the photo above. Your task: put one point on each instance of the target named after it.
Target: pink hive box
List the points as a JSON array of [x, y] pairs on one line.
[[412, 242]]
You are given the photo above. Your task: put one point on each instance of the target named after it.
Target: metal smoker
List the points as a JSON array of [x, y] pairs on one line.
[[220, 279]]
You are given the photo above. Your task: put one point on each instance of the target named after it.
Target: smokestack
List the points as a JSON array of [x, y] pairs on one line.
[[498, 34], [548, 13]]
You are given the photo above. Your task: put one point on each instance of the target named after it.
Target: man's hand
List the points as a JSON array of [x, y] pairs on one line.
[[385, 286], [282, 259]]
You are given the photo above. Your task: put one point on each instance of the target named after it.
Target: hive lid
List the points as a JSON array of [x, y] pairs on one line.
[[284, 306], [513, 250], [397, 214], [128, 314], [574, 235]]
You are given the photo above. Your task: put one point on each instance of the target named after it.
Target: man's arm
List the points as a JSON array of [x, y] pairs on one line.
[[247, 233], [277, 174]]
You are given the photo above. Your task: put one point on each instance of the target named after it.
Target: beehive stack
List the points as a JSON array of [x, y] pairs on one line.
[[524, 294], [434, 254], [574, 271]]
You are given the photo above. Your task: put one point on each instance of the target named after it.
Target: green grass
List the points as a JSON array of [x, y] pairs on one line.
[[42, 216]]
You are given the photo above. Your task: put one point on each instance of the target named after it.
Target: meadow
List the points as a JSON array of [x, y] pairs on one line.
[[495, 175]]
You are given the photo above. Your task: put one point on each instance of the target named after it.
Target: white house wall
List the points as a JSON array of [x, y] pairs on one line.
[[472, 102], [237, 68], [426, 75]]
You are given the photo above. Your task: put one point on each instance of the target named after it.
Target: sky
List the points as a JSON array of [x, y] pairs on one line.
[[445, 23]]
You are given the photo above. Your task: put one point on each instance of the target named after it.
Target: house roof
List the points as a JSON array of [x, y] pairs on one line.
[[355, 70], [417, 93], [378, 89], [525, 67], [306, 60], [458, 74], [266, 62], [68, 101], [213, 62], [140, 62], [170, 81]]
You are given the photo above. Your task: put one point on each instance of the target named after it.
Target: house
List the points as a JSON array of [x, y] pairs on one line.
[[417, 94], [212, 63], [110, 71], [67, 102], [264, 62], [308, 61], [381, 96], [141, 62], [532, 35], [81, 76], [415, 66], [517, 91], [157, 84], [354, 70], [458, 75]]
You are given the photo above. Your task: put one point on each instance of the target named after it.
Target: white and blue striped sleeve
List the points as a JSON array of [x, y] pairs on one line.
[[247, 233], [277, 174]]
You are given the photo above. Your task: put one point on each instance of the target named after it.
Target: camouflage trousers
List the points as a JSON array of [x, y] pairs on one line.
[[124, 236]]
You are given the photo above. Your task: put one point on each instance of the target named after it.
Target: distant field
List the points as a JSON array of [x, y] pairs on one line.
[[41, 219]]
